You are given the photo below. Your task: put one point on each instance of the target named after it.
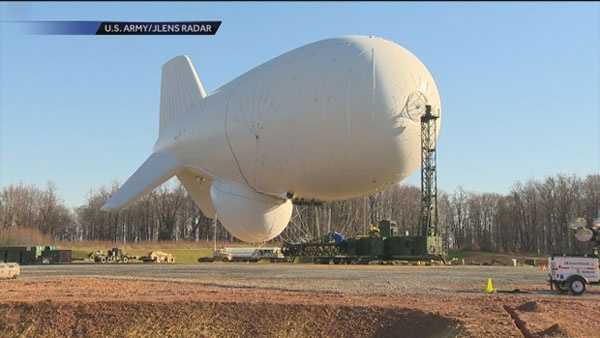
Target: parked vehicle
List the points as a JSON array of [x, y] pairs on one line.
[[247, 254], [114, 255]]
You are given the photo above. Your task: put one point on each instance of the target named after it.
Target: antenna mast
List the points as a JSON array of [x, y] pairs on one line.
[[429, 211]]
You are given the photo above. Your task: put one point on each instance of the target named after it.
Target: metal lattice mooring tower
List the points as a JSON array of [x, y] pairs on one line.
[[429, 212]]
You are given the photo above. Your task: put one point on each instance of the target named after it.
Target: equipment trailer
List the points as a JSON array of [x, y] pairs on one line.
[[573, 273], [334, 248]]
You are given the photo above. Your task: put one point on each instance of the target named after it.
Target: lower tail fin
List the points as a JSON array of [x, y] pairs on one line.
[[180, 88], [158, 168]]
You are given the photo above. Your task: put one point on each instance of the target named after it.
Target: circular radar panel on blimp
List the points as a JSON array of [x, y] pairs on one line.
[[414, 107]]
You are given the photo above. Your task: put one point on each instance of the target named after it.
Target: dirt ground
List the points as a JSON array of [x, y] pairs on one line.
[[63, 302]]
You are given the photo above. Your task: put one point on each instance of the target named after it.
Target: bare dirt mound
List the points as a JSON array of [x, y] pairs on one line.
[[554, 331], [531, 306], [208, 319]]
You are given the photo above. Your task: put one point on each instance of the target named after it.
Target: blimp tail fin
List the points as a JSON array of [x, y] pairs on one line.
[[158, 168], [180, 88]]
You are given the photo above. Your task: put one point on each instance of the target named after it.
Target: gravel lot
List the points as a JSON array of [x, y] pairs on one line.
[[352, 279], [289, 300]]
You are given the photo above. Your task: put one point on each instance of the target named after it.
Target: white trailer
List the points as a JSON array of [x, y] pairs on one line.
[[245, 254], [573, 273]]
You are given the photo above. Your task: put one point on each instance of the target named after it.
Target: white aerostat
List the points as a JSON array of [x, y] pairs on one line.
[[331, 120]]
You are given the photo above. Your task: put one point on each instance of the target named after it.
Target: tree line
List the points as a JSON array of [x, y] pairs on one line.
[[533, 217]]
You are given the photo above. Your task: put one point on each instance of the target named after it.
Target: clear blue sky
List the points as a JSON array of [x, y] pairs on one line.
[[520, 83]]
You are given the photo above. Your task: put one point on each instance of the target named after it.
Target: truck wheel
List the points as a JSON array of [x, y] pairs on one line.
[[577, 286], [125, 260]]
